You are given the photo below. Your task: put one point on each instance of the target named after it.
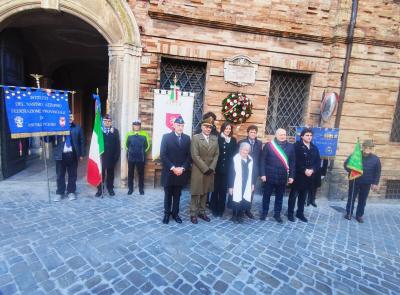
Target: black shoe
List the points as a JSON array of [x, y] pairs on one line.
[[359, 219], [165, 219], [98, 194], [178, 219], [278, 218], [234, 219], [249, 214], [215, 214], [130, 192], [291, 218], [347, 216], [141, 192], [301, 217], [263, 216], [193, 219], [111, 192], [313, 204]]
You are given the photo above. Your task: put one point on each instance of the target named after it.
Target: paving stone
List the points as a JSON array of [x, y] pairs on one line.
[[268, 279], [76, 262], [136, 278], [3, 268], [220, 286], [67, 279]]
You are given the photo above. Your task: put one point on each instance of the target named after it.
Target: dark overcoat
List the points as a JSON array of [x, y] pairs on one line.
[[306, 158], [77, 143], [112, 148], [172, 154], [273, 168], [226, 153], [204, 157]]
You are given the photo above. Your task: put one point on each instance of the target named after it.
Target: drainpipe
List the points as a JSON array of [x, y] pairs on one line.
[[349, 42], [345, 74]]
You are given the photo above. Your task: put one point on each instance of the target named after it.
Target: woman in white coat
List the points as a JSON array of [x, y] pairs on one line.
[[241, 182]]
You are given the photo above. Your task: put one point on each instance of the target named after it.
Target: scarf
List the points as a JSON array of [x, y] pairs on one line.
[[227, 138], [237, 187]]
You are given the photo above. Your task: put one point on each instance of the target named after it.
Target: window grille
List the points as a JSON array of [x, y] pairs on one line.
[[395, 134], [191, 76], [287, 101], [393, 189]]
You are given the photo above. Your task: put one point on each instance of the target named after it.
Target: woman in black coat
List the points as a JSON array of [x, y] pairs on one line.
[[227, 149]]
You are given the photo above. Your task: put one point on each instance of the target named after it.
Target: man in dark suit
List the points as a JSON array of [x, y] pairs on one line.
[[308, 163], [277, 169], [255, 153], [175, 158], [67, 150], [112, 151]]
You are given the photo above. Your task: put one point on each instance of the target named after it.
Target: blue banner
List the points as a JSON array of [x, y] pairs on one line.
[[36, 112], [325, 139]]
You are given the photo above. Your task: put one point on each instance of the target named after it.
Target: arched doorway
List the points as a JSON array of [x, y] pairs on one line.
[[82, 48]]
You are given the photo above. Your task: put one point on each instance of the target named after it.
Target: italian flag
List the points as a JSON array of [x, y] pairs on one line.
[[94, 176]]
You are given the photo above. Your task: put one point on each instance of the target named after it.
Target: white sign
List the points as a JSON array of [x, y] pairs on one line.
[[240, 70], [165, 112]]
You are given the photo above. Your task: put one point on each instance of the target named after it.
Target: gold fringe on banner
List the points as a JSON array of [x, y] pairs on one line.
[[25, 135]]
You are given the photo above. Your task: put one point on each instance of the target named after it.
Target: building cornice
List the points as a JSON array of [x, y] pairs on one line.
[[215, 24]]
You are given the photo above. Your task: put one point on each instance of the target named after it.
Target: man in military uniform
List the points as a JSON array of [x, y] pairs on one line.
[[112, 151], [175, 158], [205, 151]]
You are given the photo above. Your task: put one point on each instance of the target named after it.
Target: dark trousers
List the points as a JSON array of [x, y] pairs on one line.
[[131, 174], [300, 195], [171, 199], [68, 164], [108, 178], [218, 197], [361, 191], [269, 188]]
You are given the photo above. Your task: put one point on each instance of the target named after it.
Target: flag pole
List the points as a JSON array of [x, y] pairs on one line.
[[37, 79], [352, 198]]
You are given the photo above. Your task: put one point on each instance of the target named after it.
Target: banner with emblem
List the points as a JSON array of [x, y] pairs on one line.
[[36, 112], [166, 110]]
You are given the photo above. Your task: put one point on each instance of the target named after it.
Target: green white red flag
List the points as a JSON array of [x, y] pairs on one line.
[[94, 176]]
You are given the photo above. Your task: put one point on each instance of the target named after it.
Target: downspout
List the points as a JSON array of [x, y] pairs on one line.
[[343, 86], [349, 41]]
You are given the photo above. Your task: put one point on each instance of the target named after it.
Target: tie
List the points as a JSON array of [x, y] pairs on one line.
[[252, 145], [179, 140]]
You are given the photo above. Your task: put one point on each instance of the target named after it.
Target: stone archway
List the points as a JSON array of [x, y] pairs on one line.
[[114, 20]]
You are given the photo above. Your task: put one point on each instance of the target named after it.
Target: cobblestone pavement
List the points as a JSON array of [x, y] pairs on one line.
[[118, 245]]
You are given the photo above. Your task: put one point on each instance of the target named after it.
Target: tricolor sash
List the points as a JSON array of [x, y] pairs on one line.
[[280, 153]]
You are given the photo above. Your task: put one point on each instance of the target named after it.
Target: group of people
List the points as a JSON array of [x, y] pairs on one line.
[[218, 166]]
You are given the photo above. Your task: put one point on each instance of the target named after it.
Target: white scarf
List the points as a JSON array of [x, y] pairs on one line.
[[227, 138], [237, 186]]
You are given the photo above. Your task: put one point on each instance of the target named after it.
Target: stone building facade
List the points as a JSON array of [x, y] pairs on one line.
[[299, 48]]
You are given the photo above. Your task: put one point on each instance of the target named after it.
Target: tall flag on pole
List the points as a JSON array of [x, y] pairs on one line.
[[94, 176], [174, 92], [355, 162]]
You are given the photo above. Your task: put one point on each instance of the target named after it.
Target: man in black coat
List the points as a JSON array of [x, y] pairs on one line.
[[255, 153], [112, 151], [175, 158], [368, 180], [277, 170], [308, 163], [67, 150]]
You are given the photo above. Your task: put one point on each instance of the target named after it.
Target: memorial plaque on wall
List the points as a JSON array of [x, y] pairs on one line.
[[240, 70]]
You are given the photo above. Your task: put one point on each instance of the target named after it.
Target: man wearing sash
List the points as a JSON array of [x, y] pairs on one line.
[[277, 170]]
